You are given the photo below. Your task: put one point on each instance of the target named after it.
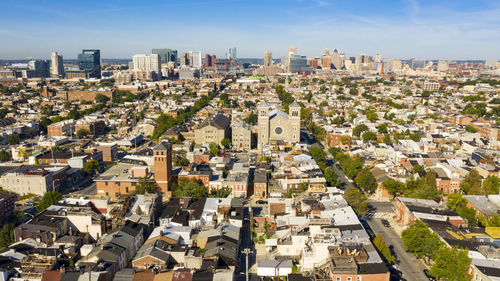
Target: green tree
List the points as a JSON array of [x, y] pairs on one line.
[[82, 133], [3, 112], [371, 115], [491, 185], [190, 188], [6, 235], [249, 104], [357, 200], [222, 192], [387, 139], [331, 177], [421, 241], [456, 201], [4, 156], [471, 184], [100, 98], [318, 154], [369, 136], [451, 264], [50, 198], [366, 180], [91, 167], [13, 139], [359, 129], [181, 160], [251, 119], [393, 186], [381, 246], [382, 129], [146, 185], [334, 151], [471, 129], [226, 143], [415, 137], [47, 110], [214, 148]]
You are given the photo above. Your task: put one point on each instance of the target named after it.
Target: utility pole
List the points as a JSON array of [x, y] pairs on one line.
[[247, 251]]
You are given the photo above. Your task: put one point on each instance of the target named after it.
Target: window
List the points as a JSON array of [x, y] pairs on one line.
[[349, 278], [358, 278], [338, 279]]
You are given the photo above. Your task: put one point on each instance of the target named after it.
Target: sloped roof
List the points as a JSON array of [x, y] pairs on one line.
[[219, 121]]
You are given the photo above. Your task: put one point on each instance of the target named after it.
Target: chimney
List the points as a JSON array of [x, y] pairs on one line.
[[70, 231], [102, 246], [161, 232]]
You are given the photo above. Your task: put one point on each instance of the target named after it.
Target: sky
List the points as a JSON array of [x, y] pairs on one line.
[[399, 29]]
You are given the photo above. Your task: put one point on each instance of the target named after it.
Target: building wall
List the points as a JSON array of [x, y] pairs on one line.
[[208, 134], [260, 190], [6, 206], [241, 138], [163, 170], [144, 263], [109, 152], [115, 188], [360, 277], [22, 184], [87, 95]]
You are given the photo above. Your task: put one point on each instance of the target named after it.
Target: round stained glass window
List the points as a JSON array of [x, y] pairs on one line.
[[278, 130]]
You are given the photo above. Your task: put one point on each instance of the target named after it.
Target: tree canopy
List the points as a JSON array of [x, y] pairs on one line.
[[48, 199]]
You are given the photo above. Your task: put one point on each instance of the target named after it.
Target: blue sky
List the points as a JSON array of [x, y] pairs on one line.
[[429, 29]]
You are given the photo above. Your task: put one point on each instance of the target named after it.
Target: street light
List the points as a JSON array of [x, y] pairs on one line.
[[247, 251]]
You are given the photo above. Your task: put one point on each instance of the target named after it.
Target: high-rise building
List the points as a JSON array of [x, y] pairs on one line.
[[442, 66], [38, 69], [56, 65], [326, 62], [378, 58], [292, 51], [166, 55], [209, 61], [232, 53], [268, 58], [416, 63], [396, 65], [299, 64], [327, 52], [151, 63], [337, 60], [185, 59], [90, 62], [195, 59]]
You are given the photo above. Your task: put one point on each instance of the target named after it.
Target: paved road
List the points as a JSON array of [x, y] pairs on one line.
[[412, 269]]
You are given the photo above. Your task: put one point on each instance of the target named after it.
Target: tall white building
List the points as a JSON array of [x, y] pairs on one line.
[[147, 63], [268, 58], [442, 66], [195, 59], [56, 65]]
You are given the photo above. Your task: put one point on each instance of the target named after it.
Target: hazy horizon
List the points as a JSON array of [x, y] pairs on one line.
[[423, 29]]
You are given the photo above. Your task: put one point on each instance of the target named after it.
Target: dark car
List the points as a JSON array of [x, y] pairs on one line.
[[261, 202], [386, 223]]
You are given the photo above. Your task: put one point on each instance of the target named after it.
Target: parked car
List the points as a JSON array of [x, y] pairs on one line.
[[386, 223], [261, 202], [29, 203]]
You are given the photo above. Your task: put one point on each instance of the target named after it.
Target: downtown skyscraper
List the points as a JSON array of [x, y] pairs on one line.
[[56, 65]]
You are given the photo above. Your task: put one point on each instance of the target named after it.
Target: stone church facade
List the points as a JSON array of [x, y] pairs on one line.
[[277, 125]]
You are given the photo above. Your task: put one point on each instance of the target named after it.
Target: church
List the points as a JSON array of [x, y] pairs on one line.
[[277, 125]]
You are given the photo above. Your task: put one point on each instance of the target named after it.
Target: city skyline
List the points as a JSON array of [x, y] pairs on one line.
[[401, 29]]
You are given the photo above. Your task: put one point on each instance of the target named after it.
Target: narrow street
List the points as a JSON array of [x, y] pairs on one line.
[[409, 265]]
